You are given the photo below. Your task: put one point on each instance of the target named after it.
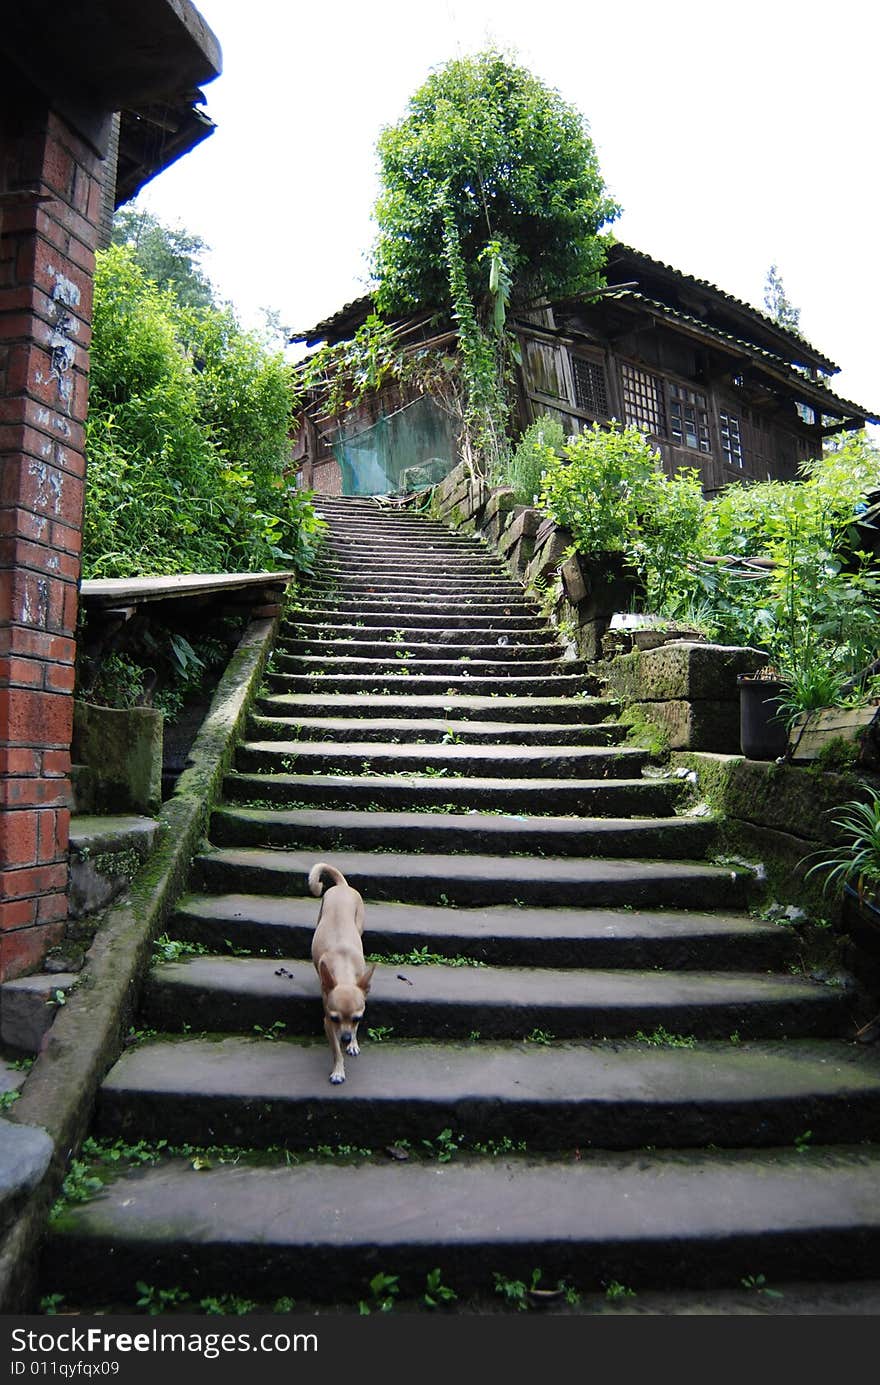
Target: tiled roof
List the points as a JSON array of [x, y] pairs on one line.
[[768, 323], [811, 389]]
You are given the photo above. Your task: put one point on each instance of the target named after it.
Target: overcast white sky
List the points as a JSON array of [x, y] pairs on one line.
[[733, 135]]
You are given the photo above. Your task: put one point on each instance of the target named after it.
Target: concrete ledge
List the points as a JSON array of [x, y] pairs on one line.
[[106, 854], [86, 1038], [25, 1154]]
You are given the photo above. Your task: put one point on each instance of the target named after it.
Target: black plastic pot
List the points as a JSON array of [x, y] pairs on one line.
[[763, 735]]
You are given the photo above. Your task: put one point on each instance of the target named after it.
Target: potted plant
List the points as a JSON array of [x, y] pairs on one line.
[[763, 730], [851, 866]]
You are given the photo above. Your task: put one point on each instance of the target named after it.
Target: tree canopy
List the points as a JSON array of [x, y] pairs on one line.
[[167, 255], [777, 304], [486, 144]]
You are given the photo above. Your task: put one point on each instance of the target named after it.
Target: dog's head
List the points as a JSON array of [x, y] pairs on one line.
[[344, 1004]]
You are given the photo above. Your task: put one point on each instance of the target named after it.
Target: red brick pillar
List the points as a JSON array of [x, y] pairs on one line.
[[50, 202]]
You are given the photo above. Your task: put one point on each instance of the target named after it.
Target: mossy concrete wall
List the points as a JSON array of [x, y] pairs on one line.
[[118, 755]]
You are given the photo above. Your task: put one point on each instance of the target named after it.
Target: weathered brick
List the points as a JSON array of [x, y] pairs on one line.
[[33, 792], [24, 949], [56, 763], [33, 880], [19, 842], [36, 718], [18, 913]]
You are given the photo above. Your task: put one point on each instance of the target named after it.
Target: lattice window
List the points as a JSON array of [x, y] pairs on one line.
[[590, 392], [643, 401], [689, 418], [731, 439]]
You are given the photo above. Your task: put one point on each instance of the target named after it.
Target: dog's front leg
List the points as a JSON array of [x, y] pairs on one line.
[[338, 1073]]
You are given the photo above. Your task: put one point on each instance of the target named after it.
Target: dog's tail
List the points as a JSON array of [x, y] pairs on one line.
[[317, 874]]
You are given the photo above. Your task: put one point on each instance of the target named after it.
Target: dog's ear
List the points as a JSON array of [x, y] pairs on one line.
[[363, 981], [328, 980]]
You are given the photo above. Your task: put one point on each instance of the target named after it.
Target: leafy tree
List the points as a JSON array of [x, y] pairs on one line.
[[488, 144], [188, 438], [169, 256], [490, 194], [777, 303]]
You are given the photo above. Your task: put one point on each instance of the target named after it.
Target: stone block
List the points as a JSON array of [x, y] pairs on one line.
[[548, 554], [105, 855], [122, 751], [444, 490], [711, 725], [28, 1007], [684, 672], [788, 798], [523, 526], [501, 501]]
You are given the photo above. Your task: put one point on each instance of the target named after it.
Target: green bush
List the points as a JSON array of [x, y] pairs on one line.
[[607, 488], [187, 438], [536, 450]]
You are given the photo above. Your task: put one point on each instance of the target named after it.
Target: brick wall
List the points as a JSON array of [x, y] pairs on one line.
[[50, 209]]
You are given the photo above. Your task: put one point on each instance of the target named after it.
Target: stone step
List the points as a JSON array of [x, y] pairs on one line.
[[416, 652], [502, 616], [457, 709], [416, 685], [557, 1096], [432, 579], [206, 994], [432, 731], [539, 937], [329, 829], [484, 880], [641, 1219], [521, 762], [451, 562], [378, 637], [321, 664], [508, 800]]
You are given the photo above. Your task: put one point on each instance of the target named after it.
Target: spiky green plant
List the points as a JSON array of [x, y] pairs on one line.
[[855, 859]]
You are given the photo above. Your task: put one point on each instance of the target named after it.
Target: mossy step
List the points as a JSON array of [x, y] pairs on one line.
[[328, 829], [502, 615], [416, 652], [509, 799], [539, 937], [448, 561], [552, 1096], [665, 1219], [432, 731], [457, 709], [495, 761], [462, 882], [234, 994], [318, 664], [416, 685], [380, 637]]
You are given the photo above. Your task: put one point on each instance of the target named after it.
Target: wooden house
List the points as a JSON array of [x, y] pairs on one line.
[[715, 383]]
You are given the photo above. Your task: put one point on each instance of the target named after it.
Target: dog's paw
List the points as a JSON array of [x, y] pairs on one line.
[[353, 1049], [337, 1077]]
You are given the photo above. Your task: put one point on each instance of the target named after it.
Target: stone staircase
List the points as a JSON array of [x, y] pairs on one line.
[[581, 1052]]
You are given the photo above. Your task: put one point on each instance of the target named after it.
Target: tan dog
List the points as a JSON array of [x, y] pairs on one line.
[[338, 955]]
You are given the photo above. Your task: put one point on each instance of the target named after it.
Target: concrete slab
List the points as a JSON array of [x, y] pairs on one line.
[[220, 994], [548, 937], [618, 1095], [642, 1219]]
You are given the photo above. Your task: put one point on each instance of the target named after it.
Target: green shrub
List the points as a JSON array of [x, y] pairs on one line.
[[187, 438], [536, 450]]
